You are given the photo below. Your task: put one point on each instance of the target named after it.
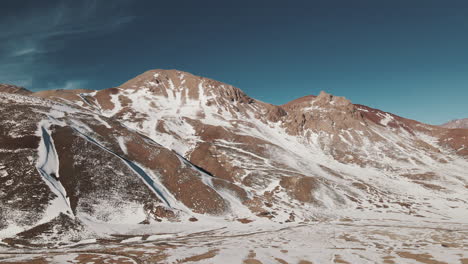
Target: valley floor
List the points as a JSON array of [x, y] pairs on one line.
[[345, 241]]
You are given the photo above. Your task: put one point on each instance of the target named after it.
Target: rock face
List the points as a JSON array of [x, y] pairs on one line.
[[171, 146], [457, 123]]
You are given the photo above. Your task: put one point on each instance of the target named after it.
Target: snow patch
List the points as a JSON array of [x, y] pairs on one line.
[[387, 118], [48, 168], [122, 145]]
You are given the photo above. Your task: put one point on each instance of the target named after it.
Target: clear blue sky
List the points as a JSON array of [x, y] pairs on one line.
[[405, 57]]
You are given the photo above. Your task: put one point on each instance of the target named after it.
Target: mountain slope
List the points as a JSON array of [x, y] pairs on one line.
[[67, 163], [183, 146]]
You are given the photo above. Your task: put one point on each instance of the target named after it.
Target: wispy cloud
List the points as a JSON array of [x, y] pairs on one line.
[[25, 52], [30, 35], [70, 85]]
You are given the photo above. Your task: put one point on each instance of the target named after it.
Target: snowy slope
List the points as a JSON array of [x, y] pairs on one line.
[[169, 146]]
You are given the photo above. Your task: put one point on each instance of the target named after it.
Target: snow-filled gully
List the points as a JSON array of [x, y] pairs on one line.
[[85, 100], [48, 168], [157, 188], [93, 106]]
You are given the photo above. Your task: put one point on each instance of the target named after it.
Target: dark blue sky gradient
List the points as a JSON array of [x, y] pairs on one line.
[[405, 57]]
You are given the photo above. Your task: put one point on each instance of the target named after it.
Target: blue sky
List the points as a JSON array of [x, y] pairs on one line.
[[405, 57]]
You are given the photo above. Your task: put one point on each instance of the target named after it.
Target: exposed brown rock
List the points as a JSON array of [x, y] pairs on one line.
[[301, 188], [428, 176], [178, 178], [69, 95], [423, 258], [456, 139], [103, 98]]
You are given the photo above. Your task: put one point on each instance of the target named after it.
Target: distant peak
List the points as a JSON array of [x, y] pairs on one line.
[[456, 123], [13, 89]]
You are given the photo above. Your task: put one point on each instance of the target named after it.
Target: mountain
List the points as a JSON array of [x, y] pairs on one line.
[[457, 123], [172, 147]]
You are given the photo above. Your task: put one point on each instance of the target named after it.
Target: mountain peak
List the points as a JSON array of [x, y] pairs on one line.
[[325, 98], [156, 75], [184, 85]]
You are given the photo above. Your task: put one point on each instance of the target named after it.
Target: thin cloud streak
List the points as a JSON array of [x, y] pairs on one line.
[[70, 85], [25, 52]]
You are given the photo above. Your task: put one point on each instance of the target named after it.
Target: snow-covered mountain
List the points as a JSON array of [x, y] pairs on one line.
[[457, 123], [173, 147]]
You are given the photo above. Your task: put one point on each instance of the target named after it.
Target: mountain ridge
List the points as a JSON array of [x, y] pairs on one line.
[[169, 74]]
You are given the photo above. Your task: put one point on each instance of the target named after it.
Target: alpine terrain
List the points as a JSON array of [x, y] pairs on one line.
[[175, 168]]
